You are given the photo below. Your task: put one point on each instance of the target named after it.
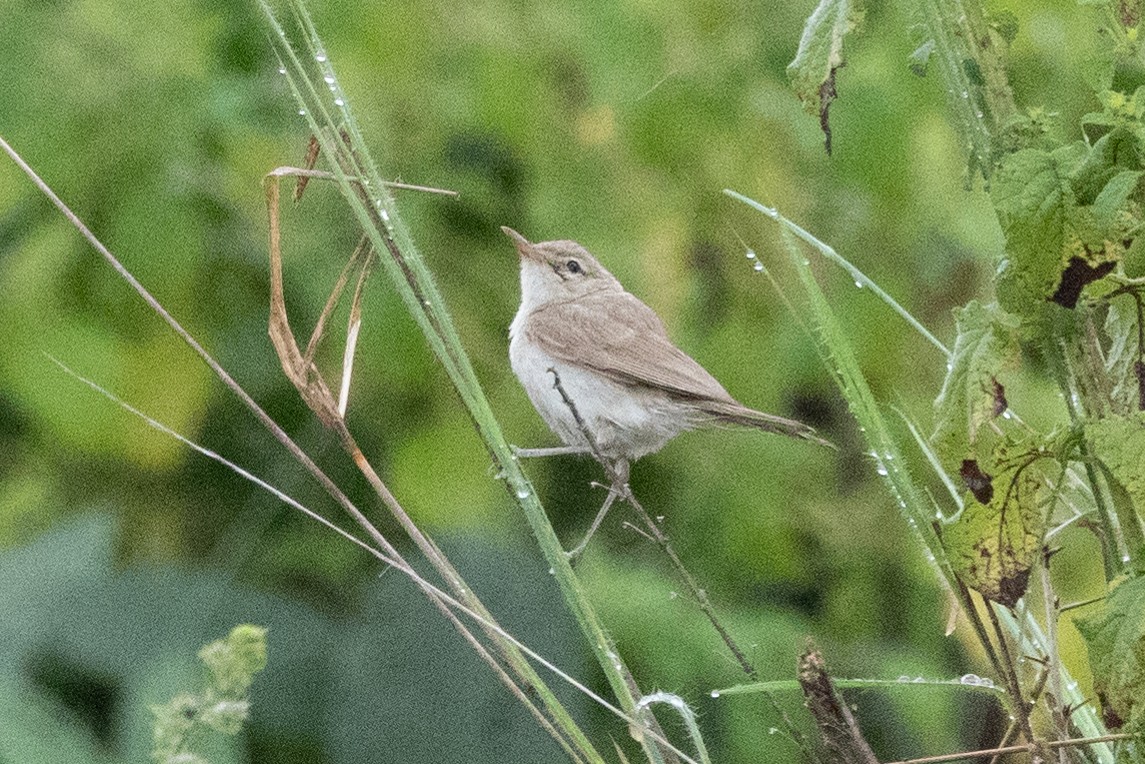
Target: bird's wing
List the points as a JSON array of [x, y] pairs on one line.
[[622, 338]]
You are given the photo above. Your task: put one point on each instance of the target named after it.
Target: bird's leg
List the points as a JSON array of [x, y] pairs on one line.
[[618, 472], [550, 451]]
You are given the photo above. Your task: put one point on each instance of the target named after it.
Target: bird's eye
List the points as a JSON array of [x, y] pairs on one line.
[[572, 266]]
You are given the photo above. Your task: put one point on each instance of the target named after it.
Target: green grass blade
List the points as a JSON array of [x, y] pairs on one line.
[[839, 357], [328, 111]]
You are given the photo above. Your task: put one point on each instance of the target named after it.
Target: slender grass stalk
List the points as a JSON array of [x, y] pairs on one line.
[[362, 185], [396, 562], [839, 358]]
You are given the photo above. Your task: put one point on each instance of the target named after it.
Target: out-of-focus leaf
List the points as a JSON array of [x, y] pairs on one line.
[[1119, 442], [972, 395], [1113, 198], [820, 55], [36, 732], [1032, 195], [920, 58], [1068, 216], [994, 544], [1122, 356], [1115, 639]]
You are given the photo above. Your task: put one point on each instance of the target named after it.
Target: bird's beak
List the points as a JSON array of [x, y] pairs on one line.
[[524, 248]]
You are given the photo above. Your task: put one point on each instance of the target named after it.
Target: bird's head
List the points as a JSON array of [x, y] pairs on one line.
[[553, 271]]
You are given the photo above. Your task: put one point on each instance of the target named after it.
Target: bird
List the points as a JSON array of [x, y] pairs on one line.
[[598, 366]]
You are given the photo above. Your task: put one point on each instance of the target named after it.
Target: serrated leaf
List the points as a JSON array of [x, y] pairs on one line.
[[1113, 198], [1115, 639], [1119, 442], [987, 345], [1127, 393], [820, 54], [993, 545], [1032, 196]]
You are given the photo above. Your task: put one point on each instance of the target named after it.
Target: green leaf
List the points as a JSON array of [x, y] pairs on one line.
[[1115, 639], [987, 344], [222, 706], [1032, 196], [820, 54], [1113, 198], [920, 58], [1122, 355], [996, 540], [234, 660], [1067, 216], [1120, 444]]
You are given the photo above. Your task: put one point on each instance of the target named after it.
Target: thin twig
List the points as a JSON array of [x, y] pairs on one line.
[[267, 422], [658, 535], [1082, 603], [1050, 601], [1028, 747], [1012, 730], [971, 611], [1021, 710], [304, 172]]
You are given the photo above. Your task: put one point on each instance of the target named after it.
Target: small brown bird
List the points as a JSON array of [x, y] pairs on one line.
[[633, 389]]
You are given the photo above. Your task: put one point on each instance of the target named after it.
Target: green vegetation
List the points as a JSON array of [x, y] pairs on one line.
[[1005, 183]]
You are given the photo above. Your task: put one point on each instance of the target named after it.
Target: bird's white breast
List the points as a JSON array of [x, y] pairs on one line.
[[625, 422]]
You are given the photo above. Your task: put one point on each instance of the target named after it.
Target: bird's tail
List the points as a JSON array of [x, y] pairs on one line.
[[737, 414]]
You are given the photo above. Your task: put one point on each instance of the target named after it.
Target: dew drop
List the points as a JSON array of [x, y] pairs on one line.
[[715, 693], [328, 79], [758, 266], [282, 70], [772, 730], [918, 680], [985, 681], [971, 679], [522, 494], [904, 678], [552, 572], [858, 284], [302, 112], [1007, 415], [320, 58], [339, 102], [882, 470], [750, 255]]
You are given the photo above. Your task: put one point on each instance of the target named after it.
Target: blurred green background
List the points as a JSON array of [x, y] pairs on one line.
[[616, 124]]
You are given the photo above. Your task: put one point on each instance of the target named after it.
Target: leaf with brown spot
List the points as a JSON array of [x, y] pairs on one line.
[[987, 345], [977, 482], [1077, 274], [995, 542], [820, 55]]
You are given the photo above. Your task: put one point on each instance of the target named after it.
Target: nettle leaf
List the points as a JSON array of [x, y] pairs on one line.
[[1119, 442], [994, 543], [820, 55], [1114, 198], [972, 394], [1069, 216], [1115, 639], [1032, 195], [1121, 358]]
